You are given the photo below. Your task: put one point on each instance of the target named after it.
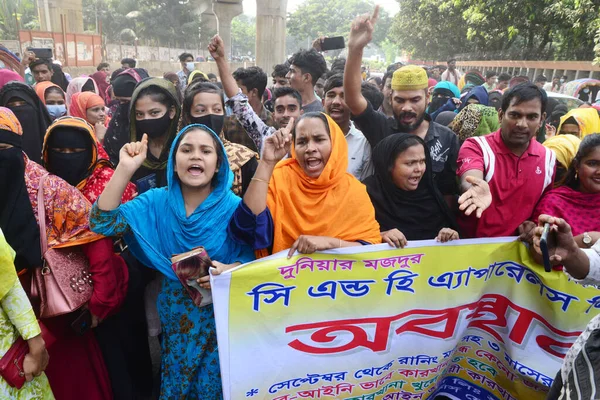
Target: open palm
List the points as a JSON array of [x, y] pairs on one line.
[[477, 199]]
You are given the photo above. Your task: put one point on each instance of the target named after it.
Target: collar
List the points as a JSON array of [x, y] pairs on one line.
[[432, 133], [352, 131], [502, 149]]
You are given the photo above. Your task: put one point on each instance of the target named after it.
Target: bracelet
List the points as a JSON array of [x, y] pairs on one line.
[[259, 180]]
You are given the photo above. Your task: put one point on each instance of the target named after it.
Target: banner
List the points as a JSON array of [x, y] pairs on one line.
[[471, 319]]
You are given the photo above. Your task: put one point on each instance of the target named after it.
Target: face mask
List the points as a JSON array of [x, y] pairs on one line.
[[190, 66], [153, 127], [562, 81], [56, 110], [436, 103], [72, 167], [586, 90], [213, 121]]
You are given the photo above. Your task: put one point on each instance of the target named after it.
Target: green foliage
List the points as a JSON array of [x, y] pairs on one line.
[[243, 35], [316, 18], [10, 11], [490, 29]]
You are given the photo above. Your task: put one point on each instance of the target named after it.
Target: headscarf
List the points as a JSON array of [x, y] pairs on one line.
[[80, 102], [91, 170], [100, 78], [557, 113], [495, 99], [117, 134], [159, 227], [173, 77], [587, 119], [335, 204], [58, 76], [76, 85], [445, 118], [17, 219], [564, 146], [33, 116], [475, 120], [41, 87], [447, 90], [479, 93], [419, 214], [6, 75], [169, 89], [517, 80], [8, 276], [195, 73], [474, 78]]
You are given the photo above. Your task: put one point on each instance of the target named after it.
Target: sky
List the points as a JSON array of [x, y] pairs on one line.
[[390, 6]]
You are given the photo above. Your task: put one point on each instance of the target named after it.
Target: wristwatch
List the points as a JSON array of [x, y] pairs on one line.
[[587, 239]]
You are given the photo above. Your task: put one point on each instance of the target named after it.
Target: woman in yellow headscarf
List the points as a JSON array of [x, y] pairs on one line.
[[580, 122], [310, 201], [565, 147], [18, 320]]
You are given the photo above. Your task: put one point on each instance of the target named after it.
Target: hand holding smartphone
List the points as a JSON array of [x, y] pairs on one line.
[[546, 242]]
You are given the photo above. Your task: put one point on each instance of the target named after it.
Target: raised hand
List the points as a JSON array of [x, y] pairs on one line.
[[478, 198], [216, 47], [133, 154], [361, 32], [278, 144]]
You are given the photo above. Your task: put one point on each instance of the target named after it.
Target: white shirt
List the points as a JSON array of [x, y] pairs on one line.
[[593, 276], [359, 154], [451, 77]]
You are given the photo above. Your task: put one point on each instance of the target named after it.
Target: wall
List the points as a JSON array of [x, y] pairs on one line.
[[157, 68], [72, 49]]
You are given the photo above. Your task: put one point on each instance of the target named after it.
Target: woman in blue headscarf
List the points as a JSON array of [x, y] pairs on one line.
[[193, 210], [442, 99], [477, 95]]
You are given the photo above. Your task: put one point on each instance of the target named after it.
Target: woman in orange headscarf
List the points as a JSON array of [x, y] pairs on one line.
[[77, 365], [90, 107], [308, 202], [53, 97]]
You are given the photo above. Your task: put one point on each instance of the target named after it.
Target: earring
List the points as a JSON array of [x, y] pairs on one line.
[[576, 174]]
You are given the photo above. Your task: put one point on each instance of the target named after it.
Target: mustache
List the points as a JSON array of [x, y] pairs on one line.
[[407, 114]]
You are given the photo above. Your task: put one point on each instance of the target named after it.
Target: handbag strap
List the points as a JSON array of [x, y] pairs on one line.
[[42, 215]]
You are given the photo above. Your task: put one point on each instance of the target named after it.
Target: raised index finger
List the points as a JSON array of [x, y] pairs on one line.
[[375, 15]]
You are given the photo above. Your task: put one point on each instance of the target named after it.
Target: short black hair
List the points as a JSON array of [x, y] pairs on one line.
[[287, 91], [334, 81], [504, 77], [541, 78], [525, 91], [252, 78], [116, 73], [372, 94], [184, 56], [102, 65], [211, 76], [41, 61], [280, 71], [310, 62], [338, 66], [129, 61], [389, 73], [490, 74], [376, 79], [451, 59]]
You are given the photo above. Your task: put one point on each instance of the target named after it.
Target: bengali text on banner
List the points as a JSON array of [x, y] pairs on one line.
[[471, 319]]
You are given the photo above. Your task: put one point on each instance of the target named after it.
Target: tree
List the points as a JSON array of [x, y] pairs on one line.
[[243, 34], [10, 11], [314, 18], [490, 29]]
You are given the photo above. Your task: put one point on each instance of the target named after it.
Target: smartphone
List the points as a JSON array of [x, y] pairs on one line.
[[544, 242], [41, 52], [146, 183], [333, 43], [82, 323]]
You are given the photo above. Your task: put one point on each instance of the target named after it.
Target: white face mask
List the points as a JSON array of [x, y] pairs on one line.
[[190, 66]]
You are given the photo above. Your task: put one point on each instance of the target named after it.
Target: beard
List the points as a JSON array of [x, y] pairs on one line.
[[408, 128]]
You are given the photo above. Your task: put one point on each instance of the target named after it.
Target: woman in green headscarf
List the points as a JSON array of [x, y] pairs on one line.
[[475, 120], [18, 320], [155, 110]]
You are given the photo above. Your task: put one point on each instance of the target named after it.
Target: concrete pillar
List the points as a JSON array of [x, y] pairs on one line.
[[270, 33], [50, 11], [226, 12], [209, 29]]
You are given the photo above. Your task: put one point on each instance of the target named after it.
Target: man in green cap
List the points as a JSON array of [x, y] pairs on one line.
[[409, 101]]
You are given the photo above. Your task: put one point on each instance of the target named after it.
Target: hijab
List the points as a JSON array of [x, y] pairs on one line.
[[475, 120], [33, 116], [335, 204], [41, 87], [418, 214], [58, 77], [565, 147], [80, 102], [159, 227], [495, 99], [117, 134], [445, 118], [442, 91], [169, 89], [100, 78], [6, 75], [17, 219], [76, 86], [479, 93], [8, 276], [474, 78], [587, 119]]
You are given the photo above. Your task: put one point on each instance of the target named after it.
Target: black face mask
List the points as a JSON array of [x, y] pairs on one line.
[[154, 128], [72, 167], [32, 133], [213, 121], [436, 103]]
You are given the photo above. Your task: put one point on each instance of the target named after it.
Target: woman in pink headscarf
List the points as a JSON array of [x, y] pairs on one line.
[[81, 84], [7, 75], [101, 80]]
